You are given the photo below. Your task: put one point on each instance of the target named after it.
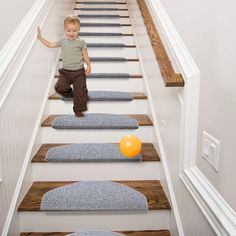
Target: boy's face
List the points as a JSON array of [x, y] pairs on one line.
[[71, 30]]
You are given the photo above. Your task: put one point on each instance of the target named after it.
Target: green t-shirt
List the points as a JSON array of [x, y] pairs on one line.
[[72, 58]]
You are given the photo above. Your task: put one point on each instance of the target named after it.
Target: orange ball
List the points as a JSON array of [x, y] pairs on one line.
[[130, 146]]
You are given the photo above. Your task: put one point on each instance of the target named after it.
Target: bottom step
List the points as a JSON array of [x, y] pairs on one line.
[[128, 233]]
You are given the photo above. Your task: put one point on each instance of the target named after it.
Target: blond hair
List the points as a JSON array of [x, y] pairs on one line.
[[72, 19]]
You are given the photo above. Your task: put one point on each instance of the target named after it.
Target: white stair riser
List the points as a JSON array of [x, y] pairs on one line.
[[111, 52], [132, 107], [114, 67], [121, 13], [50, 135], [130, 85], [96, 171], [69, 221], [128, 40], [122, 29], [105, 20]]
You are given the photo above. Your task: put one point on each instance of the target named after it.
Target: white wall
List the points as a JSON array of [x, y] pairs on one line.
[[27, 81], [166, 109], [208, 30], [11, 14]]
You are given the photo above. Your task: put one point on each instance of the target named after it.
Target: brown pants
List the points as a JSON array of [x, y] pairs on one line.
[[77, 78]]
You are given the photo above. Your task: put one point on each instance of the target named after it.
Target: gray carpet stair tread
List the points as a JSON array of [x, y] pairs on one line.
[[148, 152], [100, 9], [99, 2], [95, 121], [109, 45], [111, 59], [95, 233], [152, 189], [105, 96], [112, 76], [103, 25], [88, 152], [101, 16], [94, 196], [135, 95], [103, 34], [143, 120], [127, 233]]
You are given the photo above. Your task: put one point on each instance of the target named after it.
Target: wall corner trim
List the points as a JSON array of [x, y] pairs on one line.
[[220, 215]]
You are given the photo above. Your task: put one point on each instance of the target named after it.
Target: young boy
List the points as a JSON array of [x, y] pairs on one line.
[[74, 54]]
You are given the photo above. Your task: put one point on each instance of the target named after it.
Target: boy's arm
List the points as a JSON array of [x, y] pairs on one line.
[[45, 41], [87, 61]]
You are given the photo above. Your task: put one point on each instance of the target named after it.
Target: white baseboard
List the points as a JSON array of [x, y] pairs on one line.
[[219, 214]]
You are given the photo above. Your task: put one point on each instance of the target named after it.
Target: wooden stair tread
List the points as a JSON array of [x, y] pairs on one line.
[[148, 152], [143, 120], [136, 95], [127, 233], [152, 189]]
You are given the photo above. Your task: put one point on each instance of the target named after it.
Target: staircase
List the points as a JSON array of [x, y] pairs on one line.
[[106, 28]]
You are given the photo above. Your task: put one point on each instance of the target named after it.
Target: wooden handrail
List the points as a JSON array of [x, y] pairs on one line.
[[171, 79]]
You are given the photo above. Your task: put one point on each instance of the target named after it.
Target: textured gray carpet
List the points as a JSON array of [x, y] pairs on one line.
[[93, 196], [99, 34], [108, 59], [87, 152], [95, 233], [109, 75], [98, 16], [95, 121], [105, 45], [99, 3], [106, 96], [97, 9], [100, 24]]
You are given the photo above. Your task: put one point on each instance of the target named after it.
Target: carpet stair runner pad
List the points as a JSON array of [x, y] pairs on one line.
[[109, 75], [101, 9], [88, 152], [105, 96], [94, 196], [98, 2], [148, 152], [101, 16], [95, 121], [103, 34], [152, 190], [103, 25], [108, 45], [110, 59]]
